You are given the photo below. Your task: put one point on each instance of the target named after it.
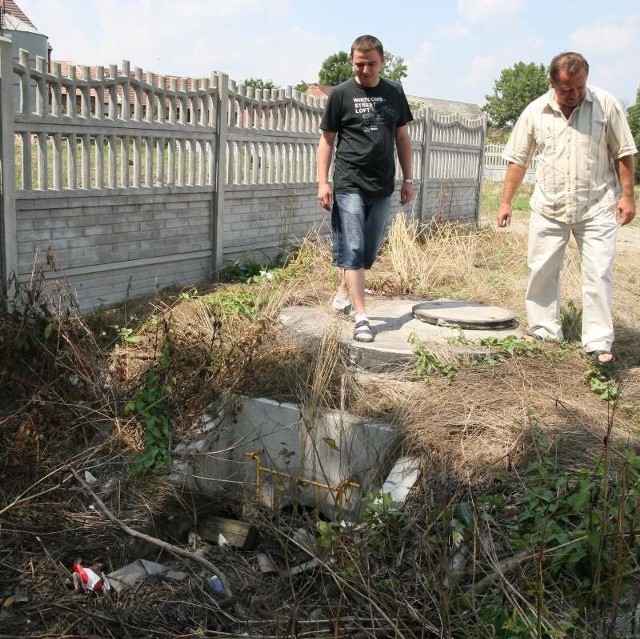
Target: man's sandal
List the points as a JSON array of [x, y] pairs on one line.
[[602, 358], [362, 331]]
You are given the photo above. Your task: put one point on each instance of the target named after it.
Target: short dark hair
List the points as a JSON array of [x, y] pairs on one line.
[[367, 43], [569, 61]]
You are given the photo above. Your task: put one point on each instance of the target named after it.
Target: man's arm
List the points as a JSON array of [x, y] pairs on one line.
[[512, 181], [626, 208], [325, 151], [403, 145]]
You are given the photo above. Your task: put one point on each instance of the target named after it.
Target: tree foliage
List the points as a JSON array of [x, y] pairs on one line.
[[513, 90], [394, 67], [337, 68], [633, 114], [259, 83], [302, 86]]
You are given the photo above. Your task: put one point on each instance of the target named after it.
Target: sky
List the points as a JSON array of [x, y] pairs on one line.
[[454, 49]]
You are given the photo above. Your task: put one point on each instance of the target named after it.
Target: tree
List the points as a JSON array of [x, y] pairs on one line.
[[302, 86], [513, 90], [259, 83], [337, 68], [633, 114], [394, 67]]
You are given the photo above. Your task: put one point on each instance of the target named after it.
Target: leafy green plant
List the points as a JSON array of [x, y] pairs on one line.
[[503, 348], [125, 335], [602, 385], [427, 362], [582, 519], [235, 302], [328, 533], [571, 321], [151, 404], [242, 271]]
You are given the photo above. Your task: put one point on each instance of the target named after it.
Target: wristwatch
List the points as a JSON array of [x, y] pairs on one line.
[[407, 181]]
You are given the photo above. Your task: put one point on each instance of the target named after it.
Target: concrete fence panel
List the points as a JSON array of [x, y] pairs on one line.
[[117, 182]]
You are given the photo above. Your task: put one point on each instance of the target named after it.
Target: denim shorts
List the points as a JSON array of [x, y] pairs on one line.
[[358, 225]]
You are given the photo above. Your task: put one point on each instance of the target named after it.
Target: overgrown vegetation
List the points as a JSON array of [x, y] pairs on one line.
[[524, 522]]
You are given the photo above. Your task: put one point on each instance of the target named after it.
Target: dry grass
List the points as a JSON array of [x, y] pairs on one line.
[[62, 405]]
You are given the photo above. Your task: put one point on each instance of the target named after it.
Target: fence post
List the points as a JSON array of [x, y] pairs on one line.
[[8, 226], [483, 141], [221, 80], [426, 159]]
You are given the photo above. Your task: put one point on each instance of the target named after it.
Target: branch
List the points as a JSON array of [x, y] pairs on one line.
[[506, 566]]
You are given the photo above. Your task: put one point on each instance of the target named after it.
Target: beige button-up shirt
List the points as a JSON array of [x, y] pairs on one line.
[[575, 174]]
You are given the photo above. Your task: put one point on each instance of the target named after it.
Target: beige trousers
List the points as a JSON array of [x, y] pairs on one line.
[[596, 240]]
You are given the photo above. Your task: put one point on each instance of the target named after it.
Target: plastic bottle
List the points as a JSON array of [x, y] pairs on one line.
[[216, 586]]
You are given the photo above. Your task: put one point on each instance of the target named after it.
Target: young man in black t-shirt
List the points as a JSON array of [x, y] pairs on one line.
[[367, 115]]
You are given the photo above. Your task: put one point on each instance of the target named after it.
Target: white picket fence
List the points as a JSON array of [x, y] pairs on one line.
[[494, 165]]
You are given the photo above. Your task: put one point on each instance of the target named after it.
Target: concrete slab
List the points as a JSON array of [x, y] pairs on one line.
[[464, 314], [392, 323]]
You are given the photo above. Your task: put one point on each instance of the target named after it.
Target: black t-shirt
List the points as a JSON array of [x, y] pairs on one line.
[[365, 120]]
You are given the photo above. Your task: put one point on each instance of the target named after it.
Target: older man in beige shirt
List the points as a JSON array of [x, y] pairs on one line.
[[584, 187]]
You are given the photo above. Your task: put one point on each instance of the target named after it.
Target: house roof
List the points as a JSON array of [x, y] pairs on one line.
[[14, 18], [447, 107], [443, 107], [316, 90]]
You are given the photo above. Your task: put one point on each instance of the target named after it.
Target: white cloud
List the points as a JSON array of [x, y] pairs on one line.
[[606, 38], [475, 11], [455, 30], [484, 69], [422, 70]]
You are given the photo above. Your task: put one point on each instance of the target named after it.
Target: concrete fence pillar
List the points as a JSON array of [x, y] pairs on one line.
[[221, 81], [8, 226], [426, 160]]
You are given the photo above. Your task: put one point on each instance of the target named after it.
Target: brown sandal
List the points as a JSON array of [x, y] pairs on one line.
[[597, 358]]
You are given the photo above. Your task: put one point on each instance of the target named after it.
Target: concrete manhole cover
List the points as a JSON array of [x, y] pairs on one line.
[[471, 315]]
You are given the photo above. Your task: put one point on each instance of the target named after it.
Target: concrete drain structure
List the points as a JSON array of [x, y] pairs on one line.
[[273, 452], [277, 454]]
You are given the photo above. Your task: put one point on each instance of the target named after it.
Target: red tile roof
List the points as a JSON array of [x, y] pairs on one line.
[[13, 9]]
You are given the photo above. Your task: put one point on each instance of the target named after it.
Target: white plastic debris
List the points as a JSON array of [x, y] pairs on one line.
[[402, 478], [140, 569]]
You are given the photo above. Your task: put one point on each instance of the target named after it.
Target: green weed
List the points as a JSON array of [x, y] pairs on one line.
[[125, 335], [600, 383], [427, 362], [233, 302], [151, 404]]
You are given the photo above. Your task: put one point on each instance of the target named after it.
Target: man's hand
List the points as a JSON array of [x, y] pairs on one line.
[[504, 215], [325, 196], [625, 209], [406, 193]]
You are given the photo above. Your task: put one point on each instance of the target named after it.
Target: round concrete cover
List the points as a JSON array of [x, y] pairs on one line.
[[464, 314]]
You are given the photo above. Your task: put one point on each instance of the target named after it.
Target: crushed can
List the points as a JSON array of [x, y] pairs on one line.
[[89, 577]]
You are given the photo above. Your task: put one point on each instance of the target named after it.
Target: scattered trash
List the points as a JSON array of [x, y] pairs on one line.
[[307, 565], [138, 570], [219, 591], [236, 534], [401, 479], [89, 578], [265, 564], [216, 586], [90, 478]]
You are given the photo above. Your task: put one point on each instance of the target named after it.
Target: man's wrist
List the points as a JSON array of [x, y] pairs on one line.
[[407, 181]]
